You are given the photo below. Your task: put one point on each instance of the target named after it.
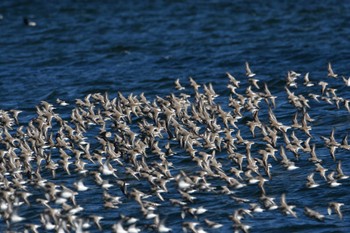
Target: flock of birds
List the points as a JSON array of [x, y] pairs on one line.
[[148, 165]]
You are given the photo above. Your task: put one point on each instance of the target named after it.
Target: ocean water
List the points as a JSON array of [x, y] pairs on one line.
[[82, 47]]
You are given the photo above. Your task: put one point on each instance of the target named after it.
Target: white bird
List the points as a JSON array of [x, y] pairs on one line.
[[307, 80], [249, 73], [178, 85], [313, 214], [213, 224], [233, 80], [79, 185], [107, 169], [118, 228], [287, 209], [346, 81], [311, 182], [336, 206], [133, 229], [16, 218], [160, 225], [330, 71], [61, 102]]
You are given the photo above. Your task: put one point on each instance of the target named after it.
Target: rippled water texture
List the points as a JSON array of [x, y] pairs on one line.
[[137, 47]]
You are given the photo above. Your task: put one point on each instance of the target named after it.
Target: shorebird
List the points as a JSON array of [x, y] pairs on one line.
[[336, 207], [269, 96], [97, 219], [314, 96], [15, 218], [15, 115], [347, 105], [285, 208], [79, 185], [107, 169], [340, 173], [344, 143], [240, 227], [311, 182], [254, 207], [307, 80], [313, 156], [321, 170], [133, 229], [233, 80], [61, 102], [290, 79], [323, 85], [249, 73], [212, 224], [286, 162], [46, 222], [330, 71], [118, 228], [178, 85], [268, 202], [67, 193], [173, 151], [190, 226], [232, 88], [177, 202], [331, 180], [346, 81], [194, 212], [33, 228], [128, 219], [160, 226], [194, 84], [313, 214]]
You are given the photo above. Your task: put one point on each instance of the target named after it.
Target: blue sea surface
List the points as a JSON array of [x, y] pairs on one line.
[[82, 47]]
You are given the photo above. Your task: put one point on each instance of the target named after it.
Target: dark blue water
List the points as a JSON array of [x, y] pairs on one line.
[[84, 47]]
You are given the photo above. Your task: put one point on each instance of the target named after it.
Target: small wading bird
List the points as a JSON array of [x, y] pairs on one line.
[[249, 73], [330, 71], [183, 154]]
